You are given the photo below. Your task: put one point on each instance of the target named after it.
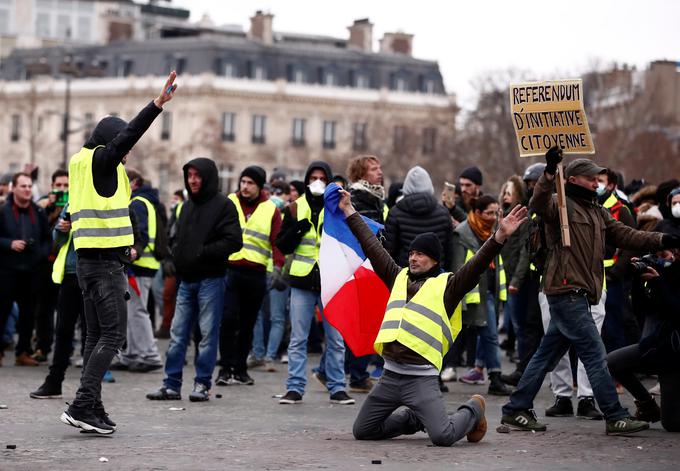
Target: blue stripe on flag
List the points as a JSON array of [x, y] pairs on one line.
[[334, 223]]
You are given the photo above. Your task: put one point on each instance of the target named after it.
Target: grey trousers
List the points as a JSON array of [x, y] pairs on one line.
[[425, 409], [141, 344]]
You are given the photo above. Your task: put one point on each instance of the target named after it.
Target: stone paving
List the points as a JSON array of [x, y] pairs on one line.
[[247, 429]]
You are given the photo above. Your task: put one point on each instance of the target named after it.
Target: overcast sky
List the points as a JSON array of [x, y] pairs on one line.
[[470, 38]]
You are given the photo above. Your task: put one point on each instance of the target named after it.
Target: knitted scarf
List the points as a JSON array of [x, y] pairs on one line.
[[481, 228], [376, 190]]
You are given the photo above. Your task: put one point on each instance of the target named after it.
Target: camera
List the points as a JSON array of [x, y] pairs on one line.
[[649, 261]]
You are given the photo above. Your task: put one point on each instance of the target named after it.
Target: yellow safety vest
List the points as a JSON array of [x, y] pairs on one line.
[[420, 324], [178, 209], [147, 259], [386, 211], [257, 247], [98, 222], [59, 266], [473, 297], [611, 201], [306, 254]]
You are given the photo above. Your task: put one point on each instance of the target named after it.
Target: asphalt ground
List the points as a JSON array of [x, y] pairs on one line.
[[246, 428]]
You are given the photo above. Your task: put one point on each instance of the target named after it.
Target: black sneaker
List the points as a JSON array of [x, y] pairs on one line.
[[513, 378], [241, 379], [561, 408], [523, 420], [201, 393], [291, 397], [341, 397], [46, 391], [625, 426], [647, 411], [86, 419], [99, 410], [588, 410], [223, 378], [118, 366], [164, 394]]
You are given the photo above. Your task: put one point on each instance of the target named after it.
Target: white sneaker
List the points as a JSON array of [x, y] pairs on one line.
[[284, 358], [656, 390], [449, 374], [79, 363]]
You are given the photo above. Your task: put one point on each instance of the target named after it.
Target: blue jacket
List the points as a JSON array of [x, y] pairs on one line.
[[141, 218], [23, 224]]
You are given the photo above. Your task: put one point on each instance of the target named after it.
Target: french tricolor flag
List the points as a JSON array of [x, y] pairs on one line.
[[353, 297]]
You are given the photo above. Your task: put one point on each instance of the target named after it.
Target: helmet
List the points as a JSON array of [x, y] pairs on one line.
[[534, 172]]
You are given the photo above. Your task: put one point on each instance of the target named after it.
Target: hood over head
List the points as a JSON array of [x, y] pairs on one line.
[[147, 192], [105, 131], [417, 181], [320, 165], [208, 170]]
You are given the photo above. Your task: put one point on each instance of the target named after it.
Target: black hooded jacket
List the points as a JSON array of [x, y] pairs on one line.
[[415, 214], [292, 230], [141, 222], [207, 230], [117, 137]]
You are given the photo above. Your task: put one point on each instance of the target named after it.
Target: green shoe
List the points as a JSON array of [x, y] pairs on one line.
[[625, 426], [523, 420]]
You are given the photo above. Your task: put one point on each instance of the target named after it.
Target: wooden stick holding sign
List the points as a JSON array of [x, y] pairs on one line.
[[547, 114], [562, 206]]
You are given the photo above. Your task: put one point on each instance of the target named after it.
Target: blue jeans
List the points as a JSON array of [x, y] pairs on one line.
[[571, 323], [201, 302], [488, 352], [278, 311], [302, 304]]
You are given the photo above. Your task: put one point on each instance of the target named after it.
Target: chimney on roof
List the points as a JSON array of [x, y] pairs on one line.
[[397, 43], [261, 27], [361, 35]]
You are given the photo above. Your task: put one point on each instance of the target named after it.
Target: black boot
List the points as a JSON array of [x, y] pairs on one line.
[[647, 411], [561, 408], [496, 386], [513, 378], [588, 410]]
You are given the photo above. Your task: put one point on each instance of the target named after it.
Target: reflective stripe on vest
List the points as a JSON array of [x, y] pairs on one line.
[[306, 254], [59, 266], [147, 259], [98, 222], [257, 247], [474, 297], [614, 206], [420, 324]]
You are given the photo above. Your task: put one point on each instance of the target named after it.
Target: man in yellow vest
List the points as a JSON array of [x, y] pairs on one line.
[[246, 278], [102, 235], [301, 236], [422, 319], [141, 354]]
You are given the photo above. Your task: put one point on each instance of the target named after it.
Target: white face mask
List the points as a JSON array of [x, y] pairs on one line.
[[317, 187], [675, 210], [600, 189]]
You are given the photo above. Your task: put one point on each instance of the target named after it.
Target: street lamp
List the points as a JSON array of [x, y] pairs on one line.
[[68, 70]]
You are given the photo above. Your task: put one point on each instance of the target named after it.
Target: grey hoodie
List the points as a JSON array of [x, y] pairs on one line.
[[418, 181]]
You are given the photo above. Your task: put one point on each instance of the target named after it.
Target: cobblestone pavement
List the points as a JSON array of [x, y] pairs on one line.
[[247, 429]]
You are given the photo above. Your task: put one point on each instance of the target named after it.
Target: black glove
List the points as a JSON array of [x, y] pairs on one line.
[[670, 241], [278, 280], [552, 158], [303, 226]]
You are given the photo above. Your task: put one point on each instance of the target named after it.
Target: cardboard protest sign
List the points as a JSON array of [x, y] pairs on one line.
[[547, 114]]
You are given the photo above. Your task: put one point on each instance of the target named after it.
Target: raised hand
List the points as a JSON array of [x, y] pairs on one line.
[[510, 223], [552, 158], [345, 203], [168, 90]]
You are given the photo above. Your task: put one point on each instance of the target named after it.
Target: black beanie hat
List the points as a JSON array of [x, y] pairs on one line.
[[474, 174], [428, 243], [258, 175]]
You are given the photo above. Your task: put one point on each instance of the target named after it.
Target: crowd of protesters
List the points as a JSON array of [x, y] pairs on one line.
[[238, 276]]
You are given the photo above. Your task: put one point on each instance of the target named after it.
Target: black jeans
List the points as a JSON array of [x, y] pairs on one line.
[[533, 323], [625, 362], [69, 310], [44, 310], [19, 287], [243, 295], [104, 285]]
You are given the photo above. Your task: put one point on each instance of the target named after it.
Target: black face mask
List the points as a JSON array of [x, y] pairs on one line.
[[578, 192], [434, 271]]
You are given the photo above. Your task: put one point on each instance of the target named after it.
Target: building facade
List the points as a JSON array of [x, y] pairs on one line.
[[256, 97]]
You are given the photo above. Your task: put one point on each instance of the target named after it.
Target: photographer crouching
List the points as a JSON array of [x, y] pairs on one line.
[[659, 349]]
